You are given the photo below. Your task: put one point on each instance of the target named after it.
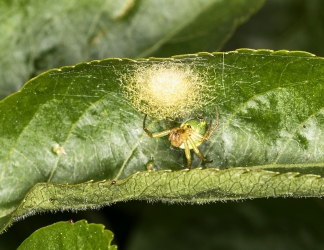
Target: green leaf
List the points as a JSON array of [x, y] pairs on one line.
[[39, 36], [73, 125], [69, 235]]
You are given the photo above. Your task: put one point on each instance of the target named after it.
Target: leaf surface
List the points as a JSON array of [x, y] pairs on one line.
[[70, 235], [269, 142]]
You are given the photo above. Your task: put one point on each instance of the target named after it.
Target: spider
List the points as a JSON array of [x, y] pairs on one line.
[[189, 135]]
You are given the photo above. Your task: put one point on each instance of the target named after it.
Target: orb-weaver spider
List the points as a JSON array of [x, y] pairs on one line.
[[189, 135]]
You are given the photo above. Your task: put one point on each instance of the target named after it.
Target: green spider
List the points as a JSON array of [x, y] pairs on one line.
[[189, 135]]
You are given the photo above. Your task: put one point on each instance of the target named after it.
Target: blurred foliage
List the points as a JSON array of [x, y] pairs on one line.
[[38, 36], [288, 24]]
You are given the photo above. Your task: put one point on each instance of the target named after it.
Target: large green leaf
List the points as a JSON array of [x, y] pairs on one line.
[[270, 106], [37, 36], [70, 235]]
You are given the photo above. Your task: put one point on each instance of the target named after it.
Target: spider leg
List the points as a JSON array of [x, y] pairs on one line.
[[196, 150], [145, 129], [207, 132], [155, 135], [188, 155], [195, 137], [210, 132], [166, 123]]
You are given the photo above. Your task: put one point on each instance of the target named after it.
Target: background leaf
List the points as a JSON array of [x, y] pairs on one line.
[[36, 37], [70, 235], [289, 24]]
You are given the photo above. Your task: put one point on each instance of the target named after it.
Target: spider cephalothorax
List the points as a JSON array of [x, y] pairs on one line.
[[188, 136], [178, 136]]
